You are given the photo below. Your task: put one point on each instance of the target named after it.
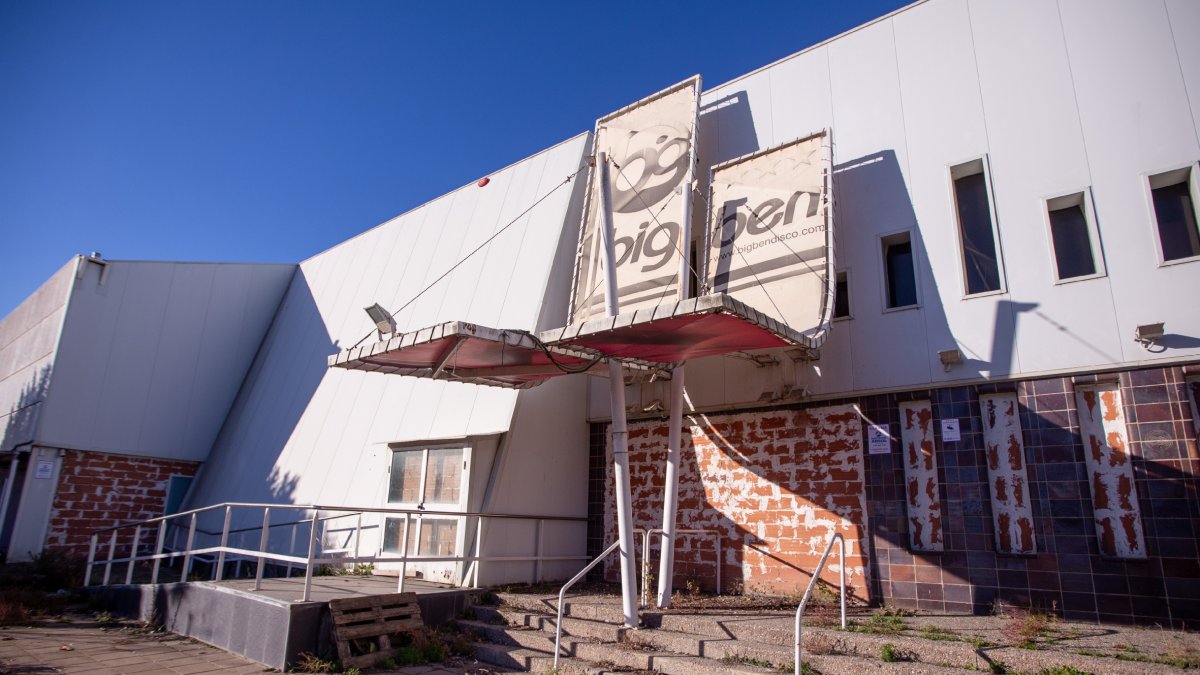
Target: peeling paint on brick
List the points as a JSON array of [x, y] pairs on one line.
[[1012, 515], [923, 502], [1114, 497], [775, 485]]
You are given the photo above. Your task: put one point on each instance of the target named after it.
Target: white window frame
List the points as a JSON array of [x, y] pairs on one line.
[[1063, 200], [1170, 176], [881, 242], [970, 167], [416, 522]]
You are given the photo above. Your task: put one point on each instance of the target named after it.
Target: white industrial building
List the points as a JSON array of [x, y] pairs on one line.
[[1013, 191]]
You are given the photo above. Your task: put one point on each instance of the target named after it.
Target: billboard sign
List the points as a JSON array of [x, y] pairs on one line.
[[770, 232], [651, 148]]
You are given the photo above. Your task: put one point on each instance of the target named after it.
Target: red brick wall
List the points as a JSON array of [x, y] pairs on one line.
[[97, 489], [774, 484]]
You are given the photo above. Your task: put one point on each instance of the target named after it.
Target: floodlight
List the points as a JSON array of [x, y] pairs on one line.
[[950, 358], [384, 322], [1148, 333]]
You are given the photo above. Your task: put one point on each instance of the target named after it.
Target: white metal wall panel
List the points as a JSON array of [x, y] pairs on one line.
[[800, 96], [151, 359], [1185, 16], [304, 433], [1136, 120], [944, 126], [28, 340], [1038, 152], [872, 200]]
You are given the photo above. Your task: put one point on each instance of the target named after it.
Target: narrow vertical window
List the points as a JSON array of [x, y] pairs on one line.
[[1073, 237], [841, 297], [1175, 213], [898, 268], [977, 232]]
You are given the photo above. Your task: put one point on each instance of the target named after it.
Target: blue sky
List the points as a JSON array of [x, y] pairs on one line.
[[268, 130]]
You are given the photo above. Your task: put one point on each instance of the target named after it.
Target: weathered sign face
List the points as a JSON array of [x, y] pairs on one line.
[[650, 146], [768, 239]]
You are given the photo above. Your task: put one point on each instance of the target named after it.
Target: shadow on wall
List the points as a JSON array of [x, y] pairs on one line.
[[1068, 574], [280, 385], [21, 419], [773, 486], [19, 426]]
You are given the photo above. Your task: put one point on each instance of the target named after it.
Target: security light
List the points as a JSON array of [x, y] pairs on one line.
[[950, 358], [1148, 333], [384, 322]]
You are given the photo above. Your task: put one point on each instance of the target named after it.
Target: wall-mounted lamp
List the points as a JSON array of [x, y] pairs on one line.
[[384, 323], [950, 358], [1148, 333]]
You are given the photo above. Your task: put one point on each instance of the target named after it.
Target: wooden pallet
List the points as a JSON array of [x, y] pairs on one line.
[[368, 629]]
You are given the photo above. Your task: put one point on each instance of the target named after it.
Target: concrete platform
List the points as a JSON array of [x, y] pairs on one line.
[[271, 626]]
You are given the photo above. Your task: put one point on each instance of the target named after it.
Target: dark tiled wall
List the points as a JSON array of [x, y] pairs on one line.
[[597, 438], [1068, 574]]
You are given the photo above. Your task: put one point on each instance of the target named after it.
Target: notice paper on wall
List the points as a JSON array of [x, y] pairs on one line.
[[44, 470], [879, 439], [950, 431]]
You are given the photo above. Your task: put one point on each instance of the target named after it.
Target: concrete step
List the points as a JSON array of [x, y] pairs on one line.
[[767, 640], [588, 655], [768, 627], [676, 642], [605, 646]]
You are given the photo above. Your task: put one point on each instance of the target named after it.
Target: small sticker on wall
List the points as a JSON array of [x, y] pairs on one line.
[[879, 439], [44, 469], [950, 430]]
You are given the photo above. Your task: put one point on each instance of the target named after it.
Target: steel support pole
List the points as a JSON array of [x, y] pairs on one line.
[[616, 388], [666, 560]]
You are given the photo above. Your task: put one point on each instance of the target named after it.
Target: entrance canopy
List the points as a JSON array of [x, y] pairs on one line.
[[465, 352], [674, 333]]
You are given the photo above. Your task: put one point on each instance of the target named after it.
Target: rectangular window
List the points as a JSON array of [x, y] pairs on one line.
[[426, 476], [443, 477], [977, 232], [1073, 237], [898, 268], [405, 484], [1175, 213], [437, 536], [841, 297]]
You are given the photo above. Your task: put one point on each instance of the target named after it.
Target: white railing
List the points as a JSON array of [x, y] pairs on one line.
[[838, 539], [645, 577], [562, 593], [316, 528]]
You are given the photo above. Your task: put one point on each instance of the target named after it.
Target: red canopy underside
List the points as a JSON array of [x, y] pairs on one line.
[[649, 339], [462, 352], [709, 325], [680, 339]]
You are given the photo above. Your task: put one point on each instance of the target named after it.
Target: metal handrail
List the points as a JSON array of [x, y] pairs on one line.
[[311, 560], [558, 623], [835, 538], [646, 558]]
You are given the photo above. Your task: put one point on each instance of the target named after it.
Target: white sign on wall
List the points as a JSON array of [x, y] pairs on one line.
[[879, 439], [950, 431], [44, 469]]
